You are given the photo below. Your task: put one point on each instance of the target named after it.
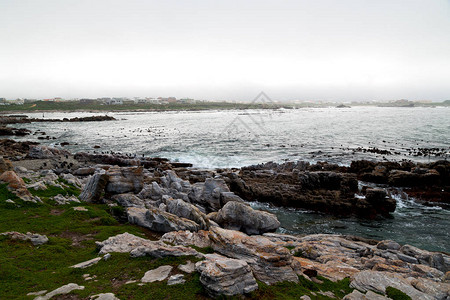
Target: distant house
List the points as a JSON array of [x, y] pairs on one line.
[[114, 101], [29, 100]]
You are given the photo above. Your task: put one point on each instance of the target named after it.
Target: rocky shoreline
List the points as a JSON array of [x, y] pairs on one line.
[[190, 209]]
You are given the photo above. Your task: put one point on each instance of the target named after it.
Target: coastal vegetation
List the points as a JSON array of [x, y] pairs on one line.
[[77, 106], [197, 106]]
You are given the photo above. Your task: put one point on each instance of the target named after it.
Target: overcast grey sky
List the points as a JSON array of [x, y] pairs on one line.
[[321, 49]]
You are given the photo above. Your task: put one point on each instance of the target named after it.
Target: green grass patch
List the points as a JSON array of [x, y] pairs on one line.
[[26, 180], [396, 294], [204, 250], [291, 290]]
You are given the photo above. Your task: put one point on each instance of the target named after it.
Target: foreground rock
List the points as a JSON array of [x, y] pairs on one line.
[[17, 186], [104, 296], [379, 281], [65, 289], [240, 216], [137, 247], [34, 238], [225, 276], [159, 221], [87, 263], [158, 274], [124, 180], [93, 189], [269, 262]]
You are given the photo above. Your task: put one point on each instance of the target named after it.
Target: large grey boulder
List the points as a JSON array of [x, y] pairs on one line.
[[93, 189], [137, 247], [225, 276], [209, 193], [158, 220], [124, 180], [240, 216], [41, 151], [269, 261], [186, 210]]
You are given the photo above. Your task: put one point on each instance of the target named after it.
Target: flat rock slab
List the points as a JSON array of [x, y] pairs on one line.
[[138, 247], [34, 238], [158, 274], [65, 289], [87, 263], [104, 296], [378, 282], [357, 295]]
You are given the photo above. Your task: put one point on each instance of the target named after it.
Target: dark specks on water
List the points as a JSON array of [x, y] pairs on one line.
[[214, 139]]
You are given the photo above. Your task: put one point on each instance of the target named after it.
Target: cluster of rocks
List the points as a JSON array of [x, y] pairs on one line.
[[168, 203], [15, 150], [14, 131], [334, 189], [34, 238], [239, 260], [24, 119], [205, 209], [427, 182], [300, 186]]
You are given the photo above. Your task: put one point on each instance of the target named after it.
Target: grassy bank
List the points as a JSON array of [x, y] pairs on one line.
[[76, 106]]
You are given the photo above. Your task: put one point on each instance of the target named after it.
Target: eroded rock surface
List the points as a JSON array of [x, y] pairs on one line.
[[225, 276], [137, 247]]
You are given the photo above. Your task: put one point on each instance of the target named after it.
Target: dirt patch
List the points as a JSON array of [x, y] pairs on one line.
[[77, 238], [151, 235], [57, 212]]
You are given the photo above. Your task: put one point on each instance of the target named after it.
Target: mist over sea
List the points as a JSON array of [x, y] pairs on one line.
[[216, 139]]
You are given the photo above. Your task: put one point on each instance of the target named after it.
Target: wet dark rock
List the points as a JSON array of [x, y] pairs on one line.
[[14, 131], [12, 149], [21, 119], [293, 185]]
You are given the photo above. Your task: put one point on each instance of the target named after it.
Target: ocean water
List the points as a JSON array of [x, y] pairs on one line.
[[237, 138]]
